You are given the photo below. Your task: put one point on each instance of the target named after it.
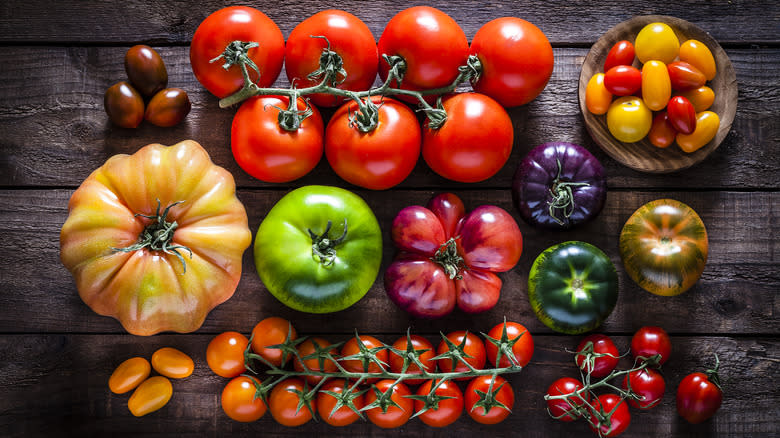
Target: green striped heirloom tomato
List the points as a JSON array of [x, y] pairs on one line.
[[319, 249], [664, 247], [155, 239], [573, 287]]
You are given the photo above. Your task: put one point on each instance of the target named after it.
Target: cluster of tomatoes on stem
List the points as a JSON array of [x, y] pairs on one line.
[[363, 377]]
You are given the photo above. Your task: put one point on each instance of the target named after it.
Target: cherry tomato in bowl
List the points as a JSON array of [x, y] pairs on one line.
[[622, 53]]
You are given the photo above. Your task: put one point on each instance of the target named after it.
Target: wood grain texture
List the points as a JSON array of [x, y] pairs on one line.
[[737, 292], [56, 131]]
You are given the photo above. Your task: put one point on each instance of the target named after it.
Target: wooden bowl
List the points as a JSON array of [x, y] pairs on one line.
[[642, 155]]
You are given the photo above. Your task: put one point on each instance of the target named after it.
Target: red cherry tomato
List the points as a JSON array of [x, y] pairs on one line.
[[396, 415], [684, 76], [348, 36], [284, 403], [355, 365], [420, 345], [622, 53], [662, 133], [619, 420], [681, 114], [378, 159], [500, 391], [472, 346], [523, 348], [448, 409], [326, 402], [623, 80], [236, 23], [649, 341], [240, 402], [603, 354], [699, 396], [649, 384], [565, 409]]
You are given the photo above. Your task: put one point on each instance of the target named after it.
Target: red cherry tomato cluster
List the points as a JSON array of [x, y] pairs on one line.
[[513, 57], [124, 101], [641, 387], [671, 83], [318, 385]]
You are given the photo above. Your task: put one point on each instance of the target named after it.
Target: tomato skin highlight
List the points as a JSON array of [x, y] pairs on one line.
[[623, 80], [172, 363], [145, 70], [681, 115], [656, 85], [699, 55], [239, 402], [662, 133], [560, 409], [622, 53], [523, 349], [629, 119], [168, 107], [129, 374], [607, 358], [707, 124], [649, 341], [225, 354], [620, 419], [648, 383], [124, 105], [656, 41], [149, 396], [597, 97]]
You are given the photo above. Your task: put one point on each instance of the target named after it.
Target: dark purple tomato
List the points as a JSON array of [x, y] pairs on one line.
[[168, 107], [146, 70], [559, 185], [124, 106]]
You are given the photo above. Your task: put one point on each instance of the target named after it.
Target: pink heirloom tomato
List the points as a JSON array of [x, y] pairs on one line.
[[155, 239]]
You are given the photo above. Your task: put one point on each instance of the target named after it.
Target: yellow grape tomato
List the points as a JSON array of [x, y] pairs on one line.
[[172, 363], [629, 119], [151, 395], [597, 98], [656, 85], [129, 374], [657, 41], [697, 54], [707, 124]]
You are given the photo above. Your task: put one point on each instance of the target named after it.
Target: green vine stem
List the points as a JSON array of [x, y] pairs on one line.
[[562, 196]]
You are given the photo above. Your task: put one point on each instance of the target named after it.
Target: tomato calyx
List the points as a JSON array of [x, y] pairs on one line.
[[488, 399], [323, 248], [589, 356], [411, 355], [562, 196], [288, 348], [450, 260], [331, 68], [366, 117], [237, 53], [383, 400], [456, 353], [158, 236]]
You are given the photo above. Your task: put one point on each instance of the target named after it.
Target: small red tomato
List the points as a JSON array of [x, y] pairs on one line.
[[564, 409], [684, 76], [473, 348], [449, 407], [699, 395], [681, 114], [124, 105], [419, 345], [328, 398], [622, 53], [623, 80], [598, 355], [649, 384], [398, 411], [500, 392], [168, 107], [617, 408], [662, 133], [351, 347], [649, 341], [522, 348]]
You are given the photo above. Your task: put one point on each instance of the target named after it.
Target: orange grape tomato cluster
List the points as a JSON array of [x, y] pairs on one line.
[[339, 401], [666, 100], [151, 393]]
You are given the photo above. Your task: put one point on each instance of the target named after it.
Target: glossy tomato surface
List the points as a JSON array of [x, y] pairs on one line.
[[619, 415], [447, 409], [328, 397], [522, 347], [664, 247], [284, 403], [473, 350], [648, 384], [500, 392], [129, 374], [565, 409], [145, 69], [698, 397], [649, 341], [394, 414], [597, 355], [419, 345], [240, 401], [225, 354]]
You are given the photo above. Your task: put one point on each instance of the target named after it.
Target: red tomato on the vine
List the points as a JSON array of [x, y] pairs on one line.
[[649, 384], [473, 347], [516, 58], [236, 23], [395, 416], [561, 409], [523, 348], [620, 416], [504, 394], [418, 343], [605, 355], [449, 409], [355, 365], [342, 416], [475, 141], [307, 348], [267, 151], [378, 159], [348, 36], [283, 403], [649, 341]]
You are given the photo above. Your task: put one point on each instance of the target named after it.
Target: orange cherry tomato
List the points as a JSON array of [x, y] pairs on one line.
[[707, 124], [129, 374], [307, 348], [597, 97], [342, 416], [702, 98], [656, 85], [283, 403], [240, 401], [356, 366], [271, 331], [699, 55], [172, 363], [151, 395], [225, 354], [662, 133]]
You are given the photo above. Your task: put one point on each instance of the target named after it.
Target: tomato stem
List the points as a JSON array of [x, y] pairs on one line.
[[447, 256], [323, 248], [562, 197]]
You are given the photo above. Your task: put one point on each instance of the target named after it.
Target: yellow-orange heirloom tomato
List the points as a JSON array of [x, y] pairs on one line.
[[597, 97], [656, 85], [172, 363], [151, 395], [129, 374], [197, 239], [707, 124]]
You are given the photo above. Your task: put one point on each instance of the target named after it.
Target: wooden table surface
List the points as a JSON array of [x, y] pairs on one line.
[[58, 60]]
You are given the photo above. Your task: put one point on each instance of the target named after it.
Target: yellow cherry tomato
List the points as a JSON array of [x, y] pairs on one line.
[[656, 85], [151, 395], [657, 41], [629, 119], [697, 54], [707, 124], [597, 98], [701, 98], [172, 363], [129, 374]]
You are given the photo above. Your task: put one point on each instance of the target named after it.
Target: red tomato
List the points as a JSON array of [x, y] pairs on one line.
[[684, 76], [561, 409], [604, 355], [681, 114], [649, 341], [662, 133], [622, 53], [357, 366], [647, 383], [326, 403], [239, 400], [619, 420], [307, 348], [378, 159], [475, 141], [699, 396], [516, 59], [448, 410], [420, 345], [523, 349], [623, 80], [348, 36], [267, 151], [271, 331], [502, 393], [283, 403], [431, 43], [395, 416], [473, 348], [225, 354], [236, 23]]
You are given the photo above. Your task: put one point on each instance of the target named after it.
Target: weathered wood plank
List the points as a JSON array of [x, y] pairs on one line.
[[43, 396], [56, 131], [564, 22], [737, 293]]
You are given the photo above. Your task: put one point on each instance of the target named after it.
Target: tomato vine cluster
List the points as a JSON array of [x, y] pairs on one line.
[[363, 377], [372, 140]]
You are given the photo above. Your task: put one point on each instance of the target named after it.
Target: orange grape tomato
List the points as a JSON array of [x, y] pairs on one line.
[[656, 85], [172, 363], [597, 98], [702, 98], [129, 374], [707, 124], [151, 395], [699, 55]]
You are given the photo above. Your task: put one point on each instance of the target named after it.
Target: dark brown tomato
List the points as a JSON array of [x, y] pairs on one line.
[[124, 105], [146, 70], [168, 107]]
